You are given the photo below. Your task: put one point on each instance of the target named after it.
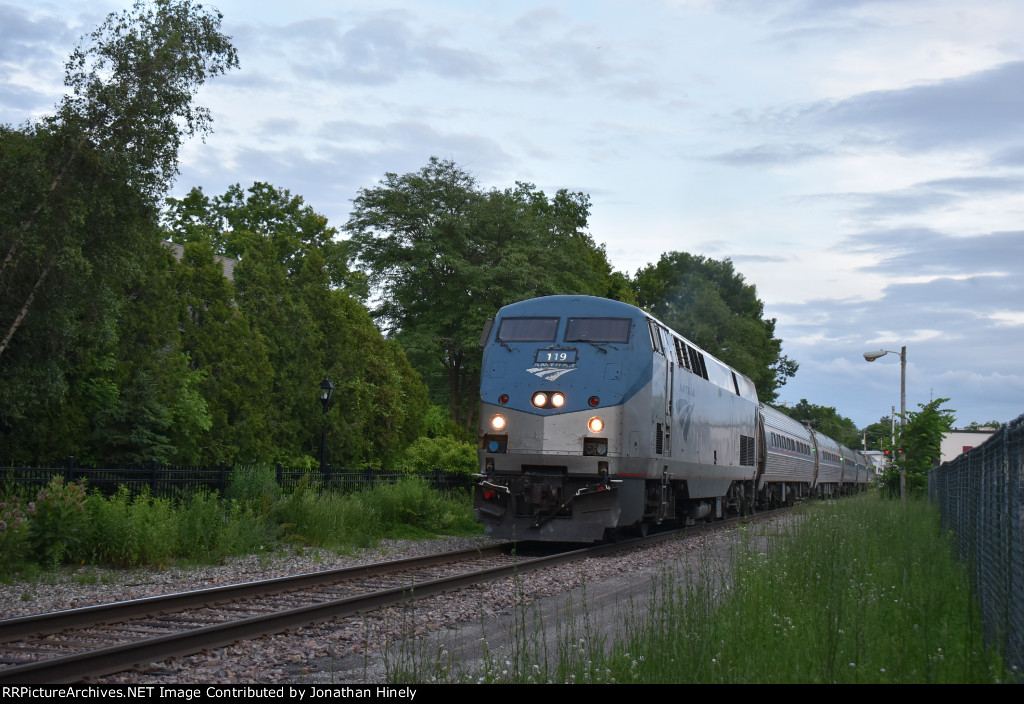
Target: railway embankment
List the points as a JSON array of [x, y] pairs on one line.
[[854, 591]]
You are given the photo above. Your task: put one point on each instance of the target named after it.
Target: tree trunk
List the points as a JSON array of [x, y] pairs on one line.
[[24, 310]]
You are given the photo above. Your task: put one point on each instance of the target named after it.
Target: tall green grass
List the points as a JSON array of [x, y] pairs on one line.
[[409, 508], [856, 591], [255, 516], [861, 590]]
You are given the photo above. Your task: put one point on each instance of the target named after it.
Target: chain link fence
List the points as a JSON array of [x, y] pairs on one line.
[[981, 495]]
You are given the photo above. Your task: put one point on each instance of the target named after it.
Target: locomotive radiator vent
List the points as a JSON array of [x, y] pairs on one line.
[[747, 451]]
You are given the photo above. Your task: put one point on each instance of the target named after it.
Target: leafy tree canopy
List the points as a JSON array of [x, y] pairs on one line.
[[78, 195], [708, 302], [132, 82], [239, 220], [288, 321], [825, 419], [919, 446], [975, 425], [444, 255], [880, 434]]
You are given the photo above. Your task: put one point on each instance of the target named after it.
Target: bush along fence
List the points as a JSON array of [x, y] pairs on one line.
[[981, 495], [172, 481]]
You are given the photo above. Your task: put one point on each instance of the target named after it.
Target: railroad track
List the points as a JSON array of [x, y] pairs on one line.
[[85, 643], [89, 642]]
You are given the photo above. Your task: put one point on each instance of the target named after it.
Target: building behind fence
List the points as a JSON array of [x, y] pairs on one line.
[[981, 495], [173, 481]]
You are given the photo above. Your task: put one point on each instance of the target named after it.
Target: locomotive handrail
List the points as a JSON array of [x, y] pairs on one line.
[[496, 487]]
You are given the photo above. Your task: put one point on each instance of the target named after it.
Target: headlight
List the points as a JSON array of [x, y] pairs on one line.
[[540, 399], [498, 422], [557, 399], [595, 425]]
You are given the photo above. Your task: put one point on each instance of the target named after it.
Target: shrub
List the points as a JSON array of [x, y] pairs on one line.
[[438, 422], [126, 531], [407, 509], [58, 525], [200, 522], [14, 532], [444, 453], [412, 509], [246, 530], [255, 488]]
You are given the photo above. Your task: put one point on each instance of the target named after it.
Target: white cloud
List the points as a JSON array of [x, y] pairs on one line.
[[860, 161], [1008, 318]]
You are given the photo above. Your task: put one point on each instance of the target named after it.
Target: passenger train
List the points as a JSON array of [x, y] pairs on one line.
[[596, 418]]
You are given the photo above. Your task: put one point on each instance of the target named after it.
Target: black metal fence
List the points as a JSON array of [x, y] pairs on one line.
[[175, 480], [981, 495]]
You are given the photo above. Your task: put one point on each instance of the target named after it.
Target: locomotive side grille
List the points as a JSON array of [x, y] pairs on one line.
[[697, 363], [659, 439], [683, 354], [747, 453]]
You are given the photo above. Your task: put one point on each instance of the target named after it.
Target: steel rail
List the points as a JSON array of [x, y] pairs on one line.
[[55, 621], [117, 658], [88, 665]]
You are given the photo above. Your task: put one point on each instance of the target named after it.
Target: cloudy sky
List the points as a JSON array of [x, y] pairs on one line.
[[861, 162]]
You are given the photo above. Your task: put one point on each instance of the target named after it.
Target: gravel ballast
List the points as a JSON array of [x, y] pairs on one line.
[[351, 650]]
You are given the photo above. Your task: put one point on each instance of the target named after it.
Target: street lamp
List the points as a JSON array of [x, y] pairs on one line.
[[871, 357], [326, 389]]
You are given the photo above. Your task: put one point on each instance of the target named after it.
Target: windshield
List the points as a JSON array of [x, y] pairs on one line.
[[528, 330], [598, 330]]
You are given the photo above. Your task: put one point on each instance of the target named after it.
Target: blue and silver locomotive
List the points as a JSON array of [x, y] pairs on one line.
[[595, 417]]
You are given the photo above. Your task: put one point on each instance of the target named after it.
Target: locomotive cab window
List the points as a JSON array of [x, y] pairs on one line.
[[655, 337], [528, 330], [598, 330]]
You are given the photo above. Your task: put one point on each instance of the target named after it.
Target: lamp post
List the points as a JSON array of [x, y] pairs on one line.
[[871, 357], [326, 389]]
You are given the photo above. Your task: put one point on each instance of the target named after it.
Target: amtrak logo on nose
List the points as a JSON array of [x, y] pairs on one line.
[[550, 373]]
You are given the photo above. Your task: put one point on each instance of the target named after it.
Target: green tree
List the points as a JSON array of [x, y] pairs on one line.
[[826, 420], [79, 193], [445, 255], [293, 287], [228, 355], [145, 402], [110, 150], [975, 425], [130, 395], [918, 448], [708, 302], [880, 434], [237, 220]]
